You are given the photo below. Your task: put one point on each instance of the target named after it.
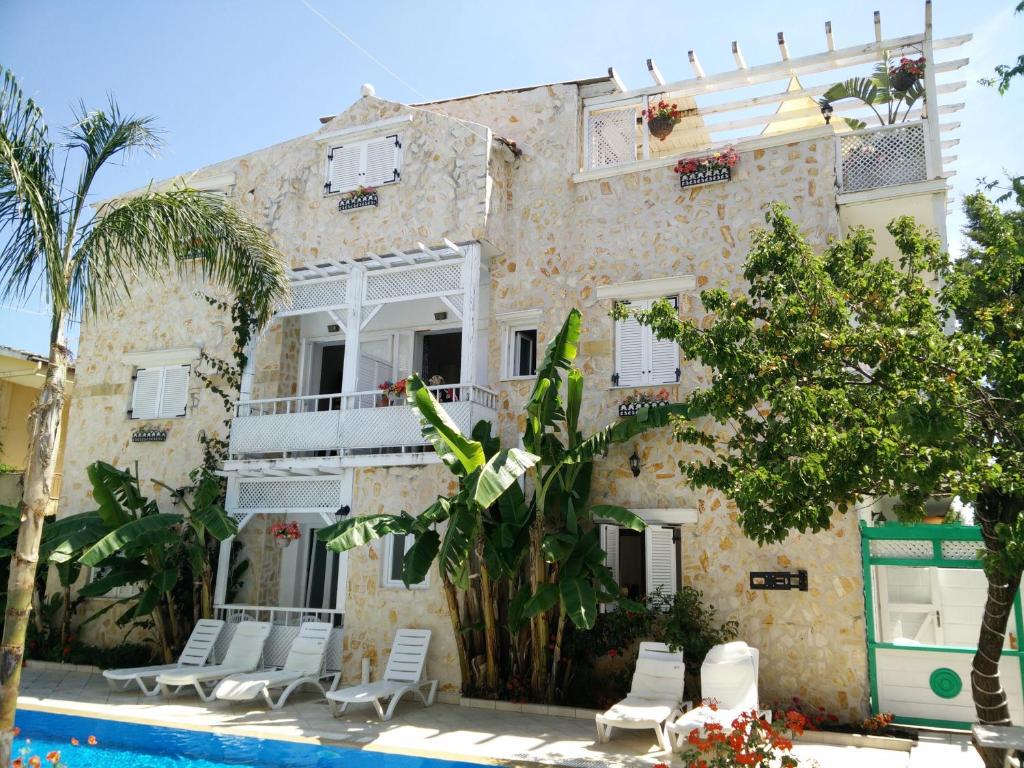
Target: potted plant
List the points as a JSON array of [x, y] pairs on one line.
[[634, 402], [285, 533], [391, 392], [707, 169], [906, 73], [360, 197], [662, 118]]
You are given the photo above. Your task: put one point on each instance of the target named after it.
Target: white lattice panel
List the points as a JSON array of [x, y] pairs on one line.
[[314, 295], [910, 549], [612, 137], [289, 494], [274, 433], [883, 158], [394, 284], [399, 425], [961, 550]]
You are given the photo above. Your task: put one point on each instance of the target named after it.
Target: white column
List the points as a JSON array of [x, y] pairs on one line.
[[934, 148], [220, 590], [470, 312], [354, 299]]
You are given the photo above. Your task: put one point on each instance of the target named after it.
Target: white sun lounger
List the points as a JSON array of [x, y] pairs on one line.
[[405, 673], [728, 677], [243, 655], [654, 696], [194, 655], [304, 666]]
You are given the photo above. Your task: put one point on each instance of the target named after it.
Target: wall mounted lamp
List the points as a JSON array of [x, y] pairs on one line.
[[634, 464]]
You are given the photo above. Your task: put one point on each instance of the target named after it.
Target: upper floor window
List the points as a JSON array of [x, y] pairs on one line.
[[641, 359], [369, 163], [160, 392]]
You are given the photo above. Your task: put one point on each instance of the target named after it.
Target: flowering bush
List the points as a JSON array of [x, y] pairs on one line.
[[912, 67], [288, 530], [664, 110], [750, 741], [727, 158], [876, 723], [646, 398]]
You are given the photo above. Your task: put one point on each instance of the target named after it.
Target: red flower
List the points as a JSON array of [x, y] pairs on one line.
[[74, 742], [92, 741], [612, 652], [17, 763], [34, 761], [53, 757]]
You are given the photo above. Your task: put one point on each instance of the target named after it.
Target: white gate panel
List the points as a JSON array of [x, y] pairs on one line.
[[909, 682]]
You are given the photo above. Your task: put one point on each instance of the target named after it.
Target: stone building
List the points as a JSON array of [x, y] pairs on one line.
[[490, 217]]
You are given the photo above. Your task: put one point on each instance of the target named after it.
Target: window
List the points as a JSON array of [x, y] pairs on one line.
[[160, 393], [642, 563], [641, 359], [519, 340], [395, 547], [370, 163]]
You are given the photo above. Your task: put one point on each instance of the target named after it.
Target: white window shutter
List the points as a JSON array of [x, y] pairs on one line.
[[146, 393], [344, 167], [174, 397], [610, 545], [382, 161], [664, 357], [630, 346], [661, 560]]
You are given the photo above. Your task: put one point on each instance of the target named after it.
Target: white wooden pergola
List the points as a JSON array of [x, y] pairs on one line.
[[611, 120]]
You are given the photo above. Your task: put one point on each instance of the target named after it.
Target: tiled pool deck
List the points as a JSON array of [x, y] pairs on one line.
[[443, 731]]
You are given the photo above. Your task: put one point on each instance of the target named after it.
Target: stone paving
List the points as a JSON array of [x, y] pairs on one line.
[[443, 731]]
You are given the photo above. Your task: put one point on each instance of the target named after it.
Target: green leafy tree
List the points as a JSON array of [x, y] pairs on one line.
[[840, 375], [1006, 72], [518, 561], [85, 264]]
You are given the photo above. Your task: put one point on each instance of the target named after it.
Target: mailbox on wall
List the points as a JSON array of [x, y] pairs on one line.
[[779, 580]]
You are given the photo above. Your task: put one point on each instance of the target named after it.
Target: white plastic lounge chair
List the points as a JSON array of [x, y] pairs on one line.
[[195, 654], [405, 673], [654, 696], [243, 655], [728, 677], [304, 666]]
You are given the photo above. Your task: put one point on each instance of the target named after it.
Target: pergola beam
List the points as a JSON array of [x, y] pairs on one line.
[[783, 48], [698, 70], [655, 73], [829, 40], [737, 55], [878, 26]]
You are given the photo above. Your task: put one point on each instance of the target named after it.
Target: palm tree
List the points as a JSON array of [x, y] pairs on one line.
[[86, 263]]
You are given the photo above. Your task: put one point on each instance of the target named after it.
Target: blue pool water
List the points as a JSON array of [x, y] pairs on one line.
[[129, 745]]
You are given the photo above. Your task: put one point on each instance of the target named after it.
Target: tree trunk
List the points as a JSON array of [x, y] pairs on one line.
[[556, 655], [490, 630], [539, 623], [38, 480], [456, 618], [990, 701]]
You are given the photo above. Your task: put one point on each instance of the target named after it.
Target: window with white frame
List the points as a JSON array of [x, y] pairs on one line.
[[367, 163], [642, 359], [519, 341], [160, 392], [395, 547]]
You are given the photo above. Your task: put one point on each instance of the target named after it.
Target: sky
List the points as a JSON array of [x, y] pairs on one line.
[[226, 77]]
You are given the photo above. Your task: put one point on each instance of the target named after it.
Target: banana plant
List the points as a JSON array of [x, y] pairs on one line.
[[528, 551], [877, 92], [134, 543]]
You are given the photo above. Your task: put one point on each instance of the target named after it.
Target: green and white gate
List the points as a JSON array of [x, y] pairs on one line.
[[925, 594]]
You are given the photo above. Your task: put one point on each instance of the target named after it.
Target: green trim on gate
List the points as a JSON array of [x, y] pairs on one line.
[[945, 683], [1006, 653], [869, 617], [1019, 623], [931, 532], [951, 725]]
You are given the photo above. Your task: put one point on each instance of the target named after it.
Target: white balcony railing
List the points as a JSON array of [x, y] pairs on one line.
[[347, 422], [882, 157]]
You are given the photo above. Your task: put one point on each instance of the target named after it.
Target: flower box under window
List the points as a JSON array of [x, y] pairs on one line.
[[631, 409], [367, 200], [704, 177]]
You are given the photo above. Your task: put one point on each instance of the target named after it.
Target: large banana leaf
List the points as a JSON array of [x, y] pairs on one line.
[[134, 533], [419, 557], [543, 600], [453, 555], [579, 601], [122, 572], [357, 531], [117, 492], [544, 407], [620, 515], [626, 428], [10, 520], [501, 470], [455, 449]]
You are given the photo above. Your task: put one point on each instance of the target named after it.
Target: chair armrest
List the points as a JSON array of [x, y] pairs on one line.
[[686, 706]]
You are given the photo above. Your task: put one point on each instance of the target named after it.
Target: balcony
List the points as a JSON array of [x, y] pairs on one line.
[[882, 157], [357, 422]]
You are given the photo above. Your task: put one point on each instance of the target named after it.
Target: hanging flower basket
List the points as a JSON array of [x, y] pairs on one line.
[[662, 118], [391, 393], [708, 169], [285, 533], [361, 197], [903, 76]]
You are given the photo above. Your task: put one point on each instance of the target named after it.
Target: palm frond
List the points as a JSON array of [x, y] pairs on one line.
[[180, 231], [102, 135], [30, 211]]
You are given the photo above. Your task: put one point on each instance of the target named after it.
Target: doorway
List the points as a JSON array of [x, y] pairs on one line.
[[328, 367], [441, 355], [309, 573]]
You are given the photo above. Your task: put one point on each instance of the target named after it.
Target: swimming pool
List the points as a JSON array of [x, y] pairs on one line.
[[130, 745]]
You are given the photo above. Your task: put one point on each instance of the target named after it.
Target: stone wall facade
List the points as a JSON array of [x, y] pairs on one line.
[[552, 242]]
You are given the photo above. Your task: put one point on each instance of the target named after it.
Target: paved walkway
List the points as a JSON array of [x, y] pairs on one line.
[[443, 731]]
